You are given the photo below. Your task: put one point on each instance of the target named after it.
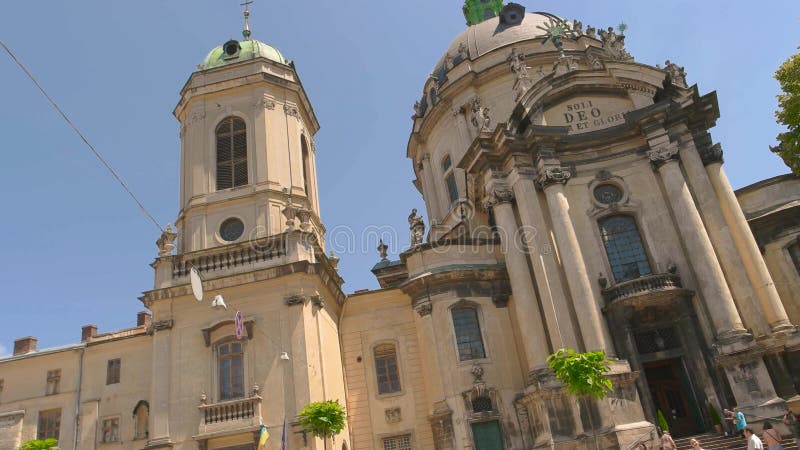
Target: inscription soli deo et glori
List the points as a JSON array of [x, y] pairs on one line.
[[583, 115]]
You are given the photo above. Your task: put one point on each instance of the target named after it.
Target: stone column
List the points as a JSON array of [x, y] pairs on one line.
[[552, 179], [545, 268], [754, 264], [711, 281], [525, 302], [160, 381], [718, 232], [429, 190]]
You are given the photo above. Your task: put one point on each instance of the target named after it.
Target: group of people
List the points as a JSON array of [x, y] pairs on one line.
[[772, 437]]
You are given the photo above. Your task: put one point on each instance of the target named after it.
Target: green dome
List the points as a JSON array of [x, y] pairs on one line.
[[247, 50]]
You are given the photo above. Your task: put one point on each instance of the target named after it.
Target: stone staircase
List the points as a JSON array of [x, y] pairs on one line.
[[714, 441]]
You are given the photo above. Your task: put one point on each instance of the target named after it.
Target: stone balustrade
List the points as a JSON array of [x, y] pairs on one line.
[[641, 286], [230, 257], [217, 418]]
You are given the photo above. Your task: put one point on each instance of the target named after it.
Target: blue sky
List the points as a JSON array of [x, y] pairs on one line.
[[76, 248]]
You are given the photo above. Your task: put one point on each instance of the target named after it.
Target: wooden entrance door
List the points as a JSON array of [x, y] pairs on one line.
[[487, 435], [669, 395]]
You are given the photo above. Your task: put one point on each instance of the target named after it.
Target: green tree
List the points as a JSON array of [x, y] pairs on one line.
[[584, 375], [323, 419], [788, 113], [38, 444]]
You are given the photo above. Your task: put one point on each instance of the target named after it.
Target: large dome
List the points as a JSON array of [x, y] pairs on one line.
[[490, 34], [249, 49]]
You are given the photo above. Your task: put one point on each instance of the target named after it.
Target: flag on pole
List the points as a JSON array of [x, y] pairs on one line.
[[283, 435], [262, 438], [238, 323]]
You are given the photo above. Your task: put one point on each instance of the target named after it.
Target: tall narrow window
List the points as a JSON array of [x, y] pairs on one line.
[[468, 333], [450, 180], [624, 248], [231, 370], [53, 381], [386, 369], [112, 371], [306, 168], [49, 424], [231, 153]]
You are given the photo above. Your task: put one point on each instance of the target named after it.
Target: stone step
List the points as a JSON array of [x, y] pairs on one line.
[[713, 441]]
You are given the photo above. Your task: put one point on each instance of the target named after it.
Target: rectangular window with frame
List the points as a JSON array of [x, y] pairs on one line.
[[109, 431], [113, 370], [230, 361], [468, 334], [402, 442], [450, 180], [49, 424], [386, 369], [53, 381]]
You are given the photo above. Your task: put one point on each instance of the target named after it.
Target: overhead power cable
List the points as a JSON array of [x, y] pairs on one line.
[[83, 138]]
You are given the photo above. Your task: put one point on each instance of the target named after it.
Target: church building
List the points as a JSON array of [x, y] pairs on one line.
[[574, 198]]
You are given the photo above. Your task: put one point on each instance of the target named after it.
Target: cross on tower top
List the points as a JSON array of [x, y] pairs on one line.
[[246, 32]]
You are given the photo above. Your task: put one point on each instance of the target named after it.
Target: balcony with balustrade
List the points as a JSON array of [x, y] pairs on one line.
[[645, 290], [229, 417]]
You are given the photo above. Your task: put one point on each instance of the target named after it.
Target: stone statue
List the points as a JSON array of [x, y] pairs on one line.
[[614, 44], [577, 27], [448, 62], [434, 91], [417, 228], [480, 115], [676, 73], [382, 251], [417, 109], [517, 62], [591, 32], [462, 51]]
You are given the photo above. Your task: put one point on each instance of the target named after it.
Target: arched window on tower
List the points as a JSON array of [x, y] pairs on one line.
[[468, 332], [386, 369], [231, 136], [306, 167], [624, 247]]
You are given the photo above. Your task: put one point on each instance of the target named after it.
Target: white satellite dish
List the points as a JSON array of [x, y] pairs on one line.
[[197, 284]]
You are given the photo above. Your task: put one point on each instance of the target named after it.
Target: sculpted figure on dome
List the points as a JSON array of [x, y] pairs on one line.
[[676, 73], [462, 51], [417, 227], [480, 115], [614, 44], [591, 32], [517, 62], [577, 27]]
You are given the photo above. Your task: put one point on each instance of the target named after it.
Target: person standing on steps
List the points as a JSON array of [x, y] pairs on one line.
[[739, 421], [772, 437], [667, 443], [753, 442], [730, 427]]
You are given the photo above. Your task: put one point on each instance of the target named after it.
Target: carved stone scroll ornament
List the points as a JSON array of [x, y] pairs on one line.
[[711, 154], [393, 415], [424, 308], [553, 175], [290, 110], [497, 196], [162, 325], [663, 154]]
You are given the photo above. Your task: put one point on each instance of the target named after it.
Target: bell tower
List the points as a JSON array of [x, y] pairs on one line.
[[247, 148]]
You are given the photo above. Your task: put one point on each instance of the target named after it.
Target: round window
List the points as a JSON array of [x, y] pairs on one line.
[[607, 194], [231, 229]]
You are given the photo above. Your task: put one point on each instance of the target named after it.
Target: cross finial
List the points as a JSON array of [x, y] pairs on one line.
[[246, 32]]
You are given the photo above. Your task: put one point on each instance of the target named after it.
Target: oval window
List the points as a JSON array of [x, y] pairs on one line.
[[607, 194]]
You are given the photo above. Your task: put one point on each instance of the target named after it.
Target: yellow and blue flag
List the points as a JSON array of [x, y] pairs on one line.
[[262, 438]]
